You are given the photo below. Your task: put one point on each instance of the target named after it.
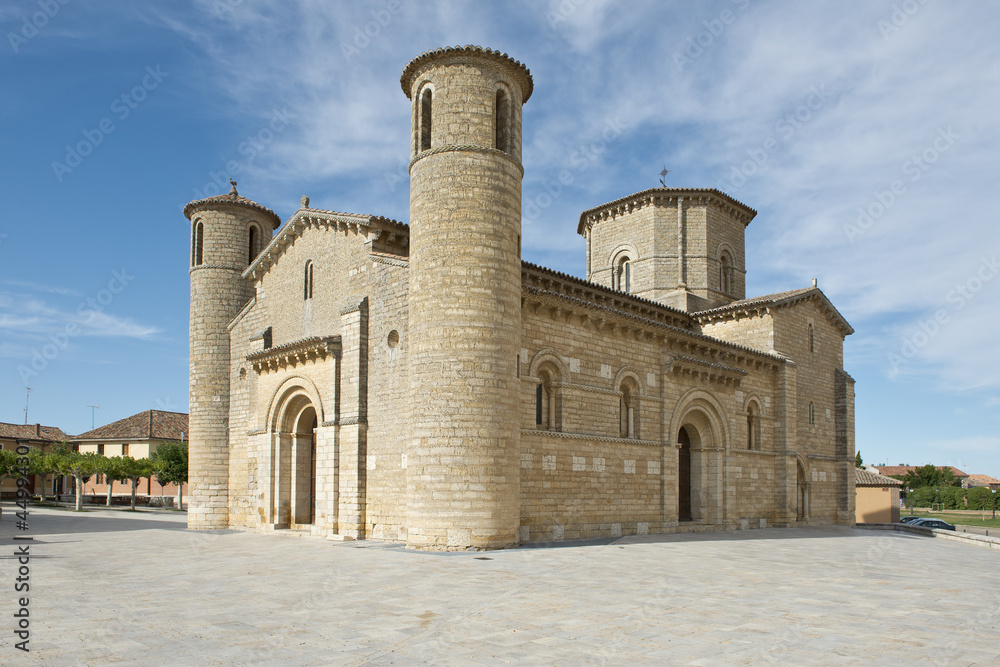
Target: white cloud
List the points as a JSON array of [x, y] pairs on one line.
[[35, 321]]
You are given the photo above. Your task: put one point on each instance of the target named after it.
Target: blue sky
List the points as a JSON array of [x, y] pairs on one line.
[[864, 133]]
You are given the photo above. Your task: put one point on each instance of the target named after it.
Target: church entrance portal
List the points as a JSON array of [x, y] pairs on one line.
[[293, 481]]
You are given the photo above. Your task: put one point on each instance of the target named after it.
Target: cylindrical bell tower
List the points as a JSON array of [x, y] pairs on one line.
[[227, 232], [463, 472]]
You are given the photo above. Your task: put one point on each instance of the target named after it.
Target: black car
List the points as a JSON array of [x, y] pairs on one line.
[[933, 523], [910, 519]]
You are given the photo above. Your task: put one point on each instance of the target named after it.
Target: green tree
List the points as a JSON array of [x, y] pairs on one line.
[[8, 465], [42, 464], [170, 463], [857, 459], [134, 470], [929, 475], [80, 466], [114, 471]]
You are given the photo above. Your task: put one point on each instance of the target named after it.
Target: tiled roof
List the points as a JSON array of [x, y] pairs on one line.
[[779, 299], [864, 477], [28, 432], [231, 198], [405, 79], [902, 470], [143, 426], [983, 480]]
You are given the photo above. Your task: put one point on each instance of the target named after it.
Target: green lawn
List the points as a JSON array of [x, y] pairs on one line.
[[960, 518]]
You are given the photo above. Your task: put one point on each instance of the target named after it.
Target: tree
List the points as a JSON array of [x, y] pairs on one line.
[[42, 464], [8, 465], [857, 459], [929, 475], [170, 463], [70, 462], [113, 471], [134, 470]]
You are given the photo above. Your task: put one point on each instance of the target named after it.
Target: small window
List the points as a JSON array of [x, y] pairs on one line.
[[753, 427], [253, 241], [628, 413], [425, 120], [538, 404], [502, 119], [726, 273], [100, 450], [812, 414], [812, 339], [125, 449], [307, 282], [623, 275], [198, 244]]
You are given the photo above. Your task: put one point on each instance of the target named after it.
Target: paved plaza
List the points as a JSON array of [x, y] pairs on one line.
[[111, 587]]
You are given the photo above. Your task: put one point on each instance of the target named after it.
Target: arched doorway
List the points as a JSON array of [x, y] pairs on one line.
[[304, 469], [294, 463], [684, 475]]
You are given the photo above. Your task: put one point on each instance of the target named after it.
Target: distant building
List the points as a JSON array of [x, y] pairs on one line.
[[983, 480], [902, 469], [137, 436], [32, 435], [877, 497]]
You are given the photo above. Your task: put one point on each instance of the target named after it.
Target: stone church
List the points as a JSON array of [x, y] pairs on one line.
[[356, 377]]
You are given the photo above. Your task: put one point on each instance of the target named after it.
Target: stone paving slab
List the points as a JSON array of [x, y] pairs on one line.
[[111, 587]]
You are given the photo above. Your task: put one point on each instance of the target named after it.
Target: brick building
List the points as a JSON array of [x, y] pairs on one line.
[[353, 376]]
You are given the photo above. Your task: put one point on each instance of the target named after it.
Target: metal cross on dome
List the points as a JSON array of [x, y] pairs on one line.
[[663, 176]]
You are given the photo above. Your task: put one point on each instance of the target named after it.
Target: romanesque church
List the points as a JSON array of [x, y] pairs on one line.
[[355, 377]]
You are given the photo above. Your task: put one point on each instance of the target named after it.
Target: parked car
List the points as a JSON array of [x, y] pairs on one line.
[[933, 523], [910, 519]]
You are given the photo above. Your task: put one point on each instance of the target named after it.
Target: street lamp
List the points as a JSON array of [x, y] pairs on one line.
[[994, 492]]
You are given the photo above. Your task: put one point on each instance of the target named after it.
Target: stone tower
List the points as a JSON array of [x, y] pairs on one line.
[[463, 481], [683, 247], [227, 232]]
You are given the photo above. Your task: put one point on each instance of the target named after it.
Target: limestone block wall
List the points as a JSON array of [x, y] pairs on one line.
[[753, 331], [640, 234], [244, 479], [817, 368], [388, 406], [578, 487], [580, 477], [709, 230]]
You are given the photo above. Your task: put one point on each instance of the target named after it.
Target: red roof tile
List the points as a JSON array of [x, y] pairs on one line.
[[28, 432], [142, 426]]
